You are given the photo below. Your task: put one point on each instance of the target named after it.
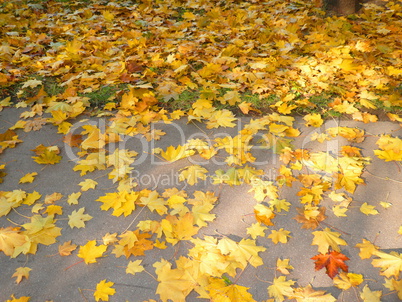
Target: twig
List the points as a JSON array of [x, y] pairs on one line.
[[74, 264], [82, 294], [383, 178], [332, 227]]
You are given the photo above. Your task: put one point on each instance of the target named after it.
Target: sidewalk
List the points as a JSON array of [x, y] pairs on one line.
[[56, 278]]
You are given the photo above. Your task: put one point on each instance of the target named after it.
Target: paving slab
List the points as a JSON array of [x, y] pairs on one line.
[[58, 279]]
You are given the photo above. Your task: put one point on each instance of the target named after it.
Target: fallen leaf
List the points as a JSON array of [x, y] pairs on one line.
[[66, 248], [20, 273], [332, 261], [77, 219], [104, 290], [89, 252]]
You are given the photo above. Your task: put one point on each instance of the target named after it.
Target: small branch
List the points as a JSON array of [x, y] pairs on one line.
[[384, 178]]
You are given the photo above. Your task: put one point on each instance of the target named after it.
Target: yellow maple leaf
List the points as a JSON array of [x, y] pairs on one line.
[[202, 214], [89, 252], [283, 266], [247, 252], [109, 238], [47, 157], [263, 214], [173, 154], [134, 267], [154, 203], [313, 119], [122, 202], [370, 296], [390, 264], [10, 238], [54, 210], [104, 290], [345, 281], [368, 209], [219, 290], [279, 236], [73, 198], [42, 230], [31, 83], [28, 178], [308, 294], [221, 118], [78, 218], [339, 211], [389, 155], [281, 288], [21, 299], [192, 174], [95, 139], [107, 15], [87, 184], [325, 239], [20, 273], [256, 230], [174, 284]]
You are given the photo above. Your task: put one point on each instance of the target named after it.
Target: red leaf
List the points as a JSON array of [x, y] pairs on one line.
[[332, 261]]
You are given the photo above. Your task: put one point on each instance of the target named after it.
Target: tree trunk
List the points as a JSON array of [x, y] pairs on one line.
[[347, 7]]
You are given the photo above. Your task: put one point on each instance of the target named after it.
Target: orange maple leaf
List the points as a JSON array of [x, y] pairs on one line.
[[332, 261]]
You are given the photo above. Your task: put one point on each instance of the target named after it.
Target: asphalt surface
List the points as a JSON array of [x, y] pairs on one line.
[[56, 278]]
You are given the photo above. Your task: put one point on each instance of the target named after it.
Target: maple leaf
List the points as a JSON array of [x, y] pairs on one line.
[[53, 197], [174, 284], [281, 287], [368, 210], [87, 184], [66, 248], [367, 249], [173, 154], [229, 177], [20, 273], [42, 230], [221, 118], [313, 119], [390, 264], [104, 290], [308, 294], [54, 210], [47, 157], [219, 290], [73, 140], [332, 261], [263, 214], [283, 266], [28, 178], [154, 202], [256, 230], [73, 198], [21, 299], [89, 252], [134, 267], [279, 236], [325, 239], [192, 173], [370, 296], [345, 281], [78, 218]]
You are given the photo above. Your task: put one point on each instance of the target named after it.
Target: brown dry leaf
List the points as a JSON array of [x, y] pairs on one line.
[[66, 248]]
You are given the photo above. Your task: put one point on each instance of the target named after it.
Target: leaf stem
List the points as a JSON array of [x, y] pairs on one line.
[[74, 264]]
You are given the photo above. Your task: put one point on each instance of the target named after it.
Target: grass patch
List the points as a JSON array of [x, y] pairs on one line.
[[102, 96]]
